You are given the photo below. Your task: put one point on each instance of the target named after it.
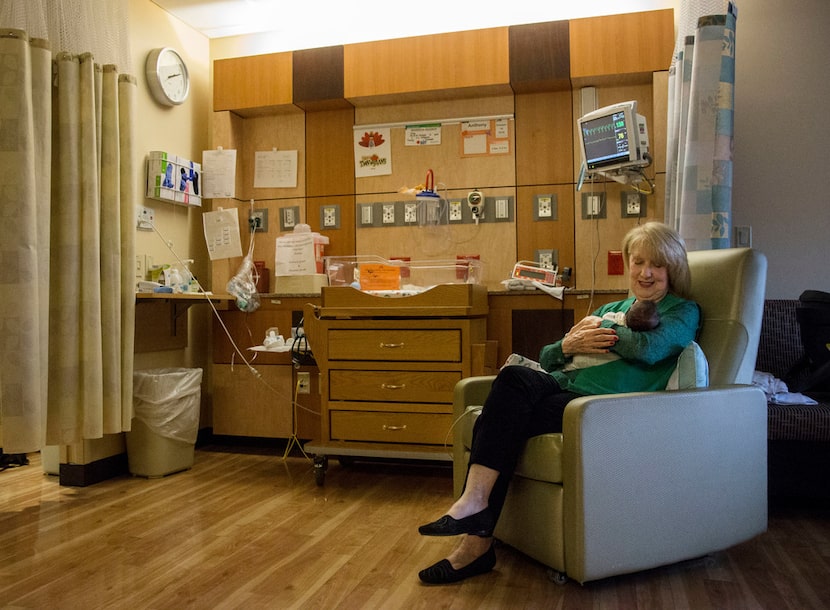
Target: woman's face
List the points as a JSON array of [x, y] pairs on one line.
[[649, 281]]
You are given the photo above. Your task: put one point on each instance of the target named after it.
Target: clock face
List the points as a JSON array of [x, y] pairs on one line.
[[167, 76]]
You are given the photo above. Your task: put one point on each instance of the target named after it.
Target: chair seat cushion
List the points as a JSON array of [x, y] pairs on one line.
[[541, 459]]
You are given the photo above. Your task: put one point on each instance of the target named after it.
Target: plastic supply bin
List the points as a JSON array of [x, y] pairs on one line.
[[165, 421]]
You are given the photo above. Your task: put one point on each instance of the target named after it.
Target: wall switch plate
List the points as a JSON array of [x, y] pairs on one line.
[[258, 220], [330, 216], [366, 214], [140, 267], [501, 209], [743, 236], [289, 218], [593, 205], [545, 207]]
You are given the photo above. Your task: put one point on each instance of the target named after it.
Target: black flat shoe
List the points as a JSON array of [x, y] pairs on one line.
[[442, 573], [479, 524]]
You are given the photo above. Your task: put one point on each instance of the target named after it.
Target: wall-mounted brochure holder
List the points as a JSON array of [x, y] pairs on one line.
[[174, 179]]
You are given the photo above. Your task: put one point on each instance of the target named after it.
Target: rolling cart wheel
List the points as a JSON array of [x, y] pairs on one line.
[[321, 464]]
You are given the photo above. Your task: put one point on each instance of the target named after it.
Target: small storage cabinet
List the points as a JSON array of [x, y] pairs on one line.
[[388, 368]]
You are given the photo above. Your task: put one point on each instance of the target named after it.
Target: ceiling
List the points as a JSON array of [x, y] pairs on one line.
[[317, 23]]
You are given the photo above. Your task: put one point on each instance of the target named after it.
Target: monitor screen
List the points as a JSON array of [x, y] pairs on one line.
[[607, 139]]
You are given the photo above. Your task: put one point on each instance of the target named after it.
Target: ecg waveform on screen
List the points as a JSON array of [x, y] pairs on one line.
[[592, 131]]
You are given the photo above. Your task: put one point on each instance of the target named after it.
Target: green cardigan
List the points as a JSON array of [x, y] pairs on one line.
[[647, 358]]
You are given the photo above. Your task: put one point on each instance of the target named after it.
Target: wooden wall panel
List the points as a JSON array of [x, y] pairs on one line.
[[458, 60], [330, 158], [544, 142], [254, 82], [620, 45]]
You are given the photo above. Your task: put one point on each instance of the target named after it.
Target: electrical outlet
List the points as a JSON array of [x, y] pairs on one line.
[[303, 382], [547, 258], [456, 211], [388, 217], [632, 204], [330, 216], [146, 217], [366, 214], [410, 212], [258, 220], [545, 208]]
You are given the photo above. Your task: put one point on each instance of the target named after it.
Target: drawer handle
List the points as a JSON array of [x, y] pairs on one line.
[[393, 386], [394, 428], [391, 345]]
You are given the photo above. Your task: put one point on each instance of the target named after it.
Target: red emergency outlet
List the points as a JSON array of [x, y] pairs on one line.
[[615, 262]]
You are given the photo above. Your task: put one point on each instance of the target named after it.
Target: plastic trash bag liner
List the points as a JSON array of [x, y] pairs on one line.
[[167, 401]]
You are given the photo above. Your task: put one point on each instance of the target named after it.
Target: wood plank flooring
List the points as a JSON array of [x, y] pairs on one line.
[[245, 529]]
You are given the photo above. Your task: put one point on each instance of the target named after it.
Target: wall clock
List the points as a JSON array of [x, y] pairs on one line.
[[167, 76]]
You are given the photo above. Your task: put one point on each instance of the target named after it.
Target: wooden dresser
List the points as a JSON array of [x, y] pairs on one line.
[[388, 367]]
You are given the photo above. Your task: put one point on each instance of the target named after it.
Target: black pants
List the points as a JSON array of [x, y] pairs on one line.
[[522, 403]]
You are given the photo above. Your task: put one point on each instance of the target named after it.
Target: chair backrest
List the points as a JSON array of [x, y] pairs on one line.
[[729, 285]]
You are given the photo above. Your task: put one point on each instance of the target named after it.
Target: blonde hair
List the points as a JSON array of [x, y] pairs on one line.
[[664, 246]]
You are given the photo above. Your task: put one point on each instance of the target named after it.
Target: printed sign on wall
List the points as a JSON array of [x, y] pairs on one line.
[[372, 152]]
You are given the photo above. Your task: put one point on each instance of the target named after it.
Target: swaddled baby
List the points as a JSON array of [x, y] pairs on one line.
[[641, 316]]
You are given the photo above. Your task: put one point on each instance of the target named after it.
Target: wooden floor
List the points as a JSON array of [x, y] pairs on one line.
[[245, 529]]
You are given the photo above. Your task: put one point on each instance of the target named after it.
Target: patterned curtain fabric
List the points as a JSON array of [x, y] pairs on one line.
[[67, 303], [700, 138]]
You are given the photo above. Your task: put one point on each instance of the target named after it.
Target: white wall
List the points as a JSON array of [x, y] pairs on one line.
[[782, 133]]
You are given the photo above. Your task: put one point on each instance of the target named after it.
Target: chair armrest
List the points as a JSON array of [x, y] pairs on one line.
[[654, 478]]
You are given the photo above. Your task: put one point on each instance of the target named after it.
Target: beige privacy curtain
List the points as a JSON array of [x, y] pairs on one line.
[[66, 204]]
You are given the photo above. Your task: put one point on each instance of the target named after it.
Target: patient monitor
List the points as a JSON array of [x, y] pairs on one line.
[[614, 143]]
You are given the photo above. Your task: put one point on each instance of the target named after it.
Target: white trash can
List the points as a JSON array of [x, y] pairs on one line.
[[165, 421]]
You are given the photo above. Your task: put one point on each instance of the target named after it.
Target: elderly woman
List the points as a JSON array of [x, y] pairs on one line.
[[524, 402]]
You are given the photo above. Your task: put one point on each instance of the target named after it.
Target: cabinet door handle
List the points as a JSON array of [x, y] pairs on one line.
[[393, 386], [391, 345], [394, 428]]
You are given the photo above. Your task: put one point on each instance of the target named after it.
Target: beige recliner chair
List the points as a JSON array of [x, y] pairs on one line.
[[640, 480]]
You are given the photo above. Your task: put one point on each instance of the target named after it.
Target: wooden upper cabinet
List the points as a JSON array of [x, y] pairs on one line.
[[621, 45], [540, 57], [252, 83], [476, 61]]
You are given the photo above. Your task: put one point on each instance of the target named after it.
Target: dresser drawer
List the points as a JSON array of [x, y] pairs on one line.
[[422, 428], [400, 345], [393, 386]]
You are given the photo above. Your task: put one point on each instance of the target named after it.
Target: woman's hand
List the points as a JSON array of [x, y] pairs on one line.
[[588, 337]]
